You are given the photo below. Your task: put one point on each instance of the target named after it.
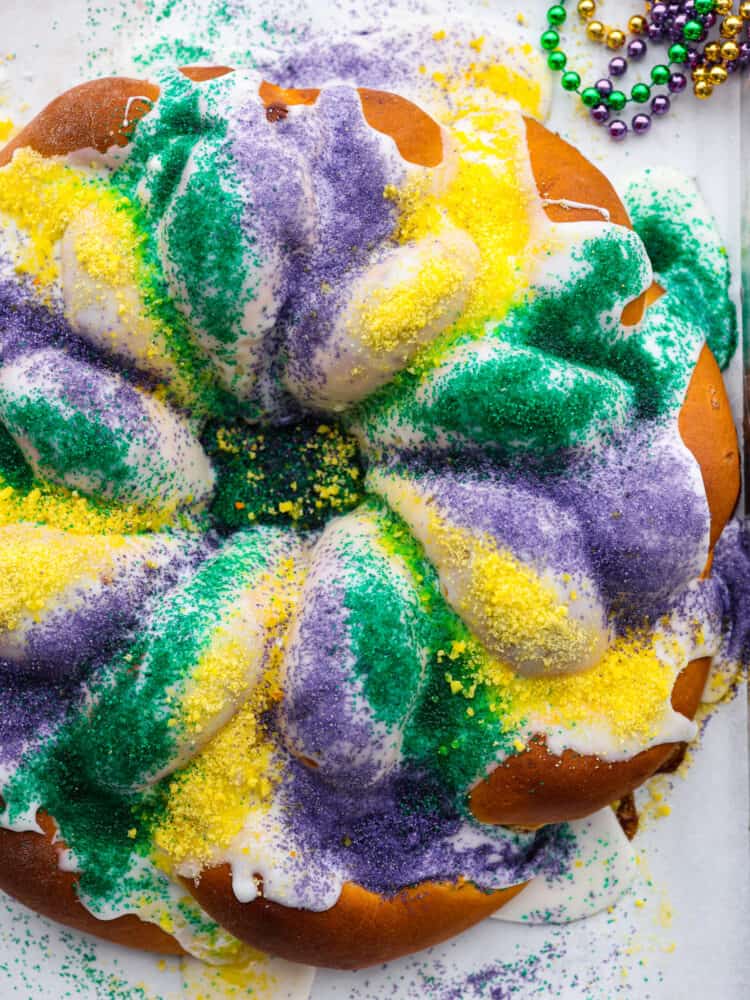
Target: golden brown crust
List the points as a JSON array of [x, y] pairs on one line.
[[707, 428], [537, 787], [29, 871], [417, 136], [568, 183], [95, 115], [199, 74], [361, 929], [563, 174]]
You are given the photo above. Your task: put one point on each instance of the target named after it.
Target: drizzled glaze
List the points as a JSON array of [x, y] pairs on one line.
[[312, 675]]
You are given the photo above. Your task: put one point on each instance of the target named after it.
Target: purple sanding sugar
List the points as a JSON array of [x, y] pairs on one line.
[[29, 711], [324, 716], [548, 971], [629, 517], [77, 383], [646, 527], [518, 515], [349, 173], [357, 61], [62, 643], [35, 695], [312, 184], [65, 641], [404, 831], [732, 566], [26, 324]]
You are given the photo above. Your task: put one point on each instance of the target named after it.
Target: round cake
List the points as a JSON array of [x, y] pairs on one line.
[[360, 480]]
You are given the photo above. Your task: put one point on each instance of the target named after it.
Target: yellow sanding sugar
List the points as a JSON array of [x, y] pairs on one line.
[[36, 565], [221, 676], [219, 679], [486, 78], [515, 609], [107, 241], [42, 196], [247, 975], [6, 128], [396, 317], [503, 81], [58, 508], [629, 689], [489, 199], [210, 798]]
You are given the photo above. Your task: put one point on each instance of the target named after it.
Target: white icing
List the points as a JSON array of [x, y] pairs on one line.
[[352, 534], [573, 591], [564, 263], [602, 868], [111, 317], [567, 203], [246, 631], [351, 367], [237, 361], [116, 569], [143, 98], [166, 466]]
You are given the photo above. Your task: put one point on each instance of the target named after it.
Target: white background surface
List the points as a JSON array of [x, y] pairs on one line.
[[684, 931]]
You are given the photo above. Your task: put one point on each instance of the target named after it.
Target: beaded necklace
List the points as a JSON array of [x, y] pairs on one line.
[[682, 26]]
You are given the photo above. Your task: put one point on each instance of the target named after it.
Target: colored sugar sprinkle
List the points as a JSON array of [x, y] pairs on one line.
[[423, 300], [42, 197], [441, 734], [58, 561], [488, 200], [60, 508], [681, 244], [628, 690], [300, 474], [209, 800], [506, 600], [220, 676]]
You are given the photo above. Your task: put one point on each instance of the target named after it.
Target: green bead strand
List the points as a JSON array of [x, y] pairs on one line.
[[570, 80], [678, 53], [556, 15], [590, 96], [556, 60], [618, 100]]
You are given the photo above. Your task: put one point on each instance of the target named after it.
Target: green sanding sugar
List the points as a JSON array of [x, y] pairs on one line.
[[84, 773], [521, 416], [683, 246], [299, 474], [70, 441], [207, 246], [455, 731], [577, 371], [14, 470], [212, 272], [385, 626]]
